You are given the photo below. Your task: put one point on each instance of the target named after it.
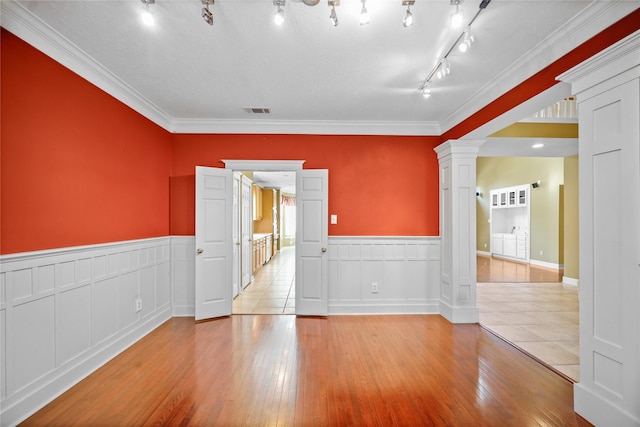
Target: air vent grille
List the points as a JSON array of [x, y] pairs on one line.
[[256, 110]]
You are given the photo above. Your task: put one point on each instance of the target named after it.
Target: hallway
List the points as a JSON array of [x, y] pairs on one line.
[[273, 289]]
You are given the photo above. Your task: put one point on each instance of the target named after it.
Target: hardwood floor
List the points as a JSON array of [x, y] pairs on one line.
[[490, 269], [253, 370]]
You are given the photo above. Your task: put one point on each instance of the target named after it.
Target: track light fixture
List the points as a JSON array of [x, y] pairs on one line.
[[146, 15], [457, 17], [426, 92], [334, 16], [407, 21], [206, 13], [278, 18], [467, 41], [364, 14], [464, 42]]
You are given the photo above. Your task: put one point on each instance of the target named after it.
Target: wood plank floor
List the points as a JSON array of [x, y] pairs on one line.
[[491, 269], [259, 370]]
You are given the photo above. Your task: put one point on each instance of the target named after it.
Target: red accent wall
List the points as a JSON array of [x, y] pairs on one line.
[[378, 185], [78, 166]]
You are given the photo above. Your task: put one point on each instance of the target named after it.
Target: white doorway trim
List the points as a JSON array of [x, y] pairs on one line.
[[264, 165]]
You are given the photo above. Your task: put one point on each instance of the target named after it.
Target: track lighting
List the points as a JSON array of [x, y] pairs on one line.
[[278, 18], [466, 42], [206, 13], [364, 15], [457, 17], [446, 67], [463, 41], [334, 16], [146, 15], [407, 21]]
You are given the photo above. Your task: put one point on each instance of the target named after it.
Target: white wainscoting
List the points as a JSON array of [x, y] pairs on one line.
[[183, 279], [66, 312], [406, 270]]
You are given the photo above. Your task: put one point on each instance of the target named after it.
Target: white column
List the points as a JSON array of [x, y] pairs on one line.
[[457, 162]]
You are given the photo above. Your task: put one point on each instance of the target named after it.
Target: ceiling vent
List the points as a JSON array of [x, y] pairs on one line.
[[254, 110]]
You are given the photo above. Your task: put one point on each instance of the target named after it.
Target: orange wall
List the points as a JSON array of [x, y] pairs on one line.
[[378, 185], [78, 166]]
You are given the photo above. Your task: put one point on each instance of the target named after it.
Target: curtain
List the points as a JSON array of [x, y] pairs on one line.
[[288, 200]]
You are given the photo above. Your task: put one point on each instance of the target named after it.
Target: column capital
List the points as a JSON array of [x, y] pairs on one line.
[[465, 147]]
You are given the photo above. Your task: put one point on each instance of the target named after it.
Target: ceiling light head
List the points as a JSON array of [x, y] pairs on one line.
[[457, 17], [407, 21], [446, 66], [538, 145], [334, 16], [466, 42], [146, 15], [206, 13], [364, 14], [426, 92], [278, 18]]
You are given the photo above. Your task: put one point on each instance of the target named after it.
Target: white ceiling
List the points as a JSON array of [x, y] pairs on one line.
[[188, 76]]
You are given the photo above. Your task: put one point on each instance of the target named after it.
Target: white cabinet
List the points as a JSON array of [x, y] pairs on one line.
[[509, 218], [521, 247], [509, 245], [496, 244]]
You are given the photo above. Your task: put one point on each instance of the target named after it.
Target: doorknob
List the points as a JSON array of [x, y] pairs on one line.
[[324, 249], [199, 251]]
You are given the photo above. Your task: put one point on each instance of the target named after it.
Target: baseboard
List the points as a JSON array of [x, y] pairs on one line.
[[570, 281], [483, 253], [183, 311], [599, 411], [340, 308], [546, 264]]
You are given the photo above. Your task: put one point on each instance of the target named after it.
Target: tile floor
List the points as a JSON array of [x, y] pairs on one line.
[[539, 318], [273, 289]]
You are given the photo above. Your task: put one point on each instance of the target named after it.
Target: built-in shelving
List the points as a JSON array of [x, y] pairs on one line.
[[510, 218]]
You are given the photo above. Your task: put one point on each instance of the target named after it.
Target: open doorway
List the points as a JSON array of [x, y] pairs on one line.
[[526, 299], [270, 287]]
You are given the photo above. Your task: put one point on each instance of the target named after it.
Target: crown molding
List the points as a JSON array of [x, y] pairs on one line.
[[17, 19], [614, 60], [310, 127], [593, 19]]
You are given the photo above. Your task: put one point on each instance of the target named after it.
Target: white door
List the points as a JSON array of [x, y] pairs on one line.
[[214, 242], [311, 242], [236, 234], [246, 231]]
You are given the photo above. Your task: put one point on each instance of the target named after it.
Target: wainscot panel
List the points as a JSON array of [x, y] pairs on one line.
[[183, 279], [384, 275], [406, 269], [66, 312]]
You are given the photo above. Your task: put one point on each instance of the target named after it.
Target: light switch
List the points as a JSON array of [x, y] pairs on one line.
[[334, 219]]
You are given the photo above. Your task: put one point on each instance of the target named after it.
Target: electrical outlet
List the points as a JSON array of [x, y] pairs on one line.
[[541, 252], [138, 305], [485, 245], [374, 287]]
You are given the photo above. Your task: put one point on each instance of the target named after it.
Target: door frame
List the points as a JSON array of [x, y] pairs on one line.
[[264, 165]]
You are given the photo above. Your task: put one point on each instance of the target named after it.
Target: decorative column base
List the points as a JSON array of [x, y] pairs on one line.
[[459, 314]]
